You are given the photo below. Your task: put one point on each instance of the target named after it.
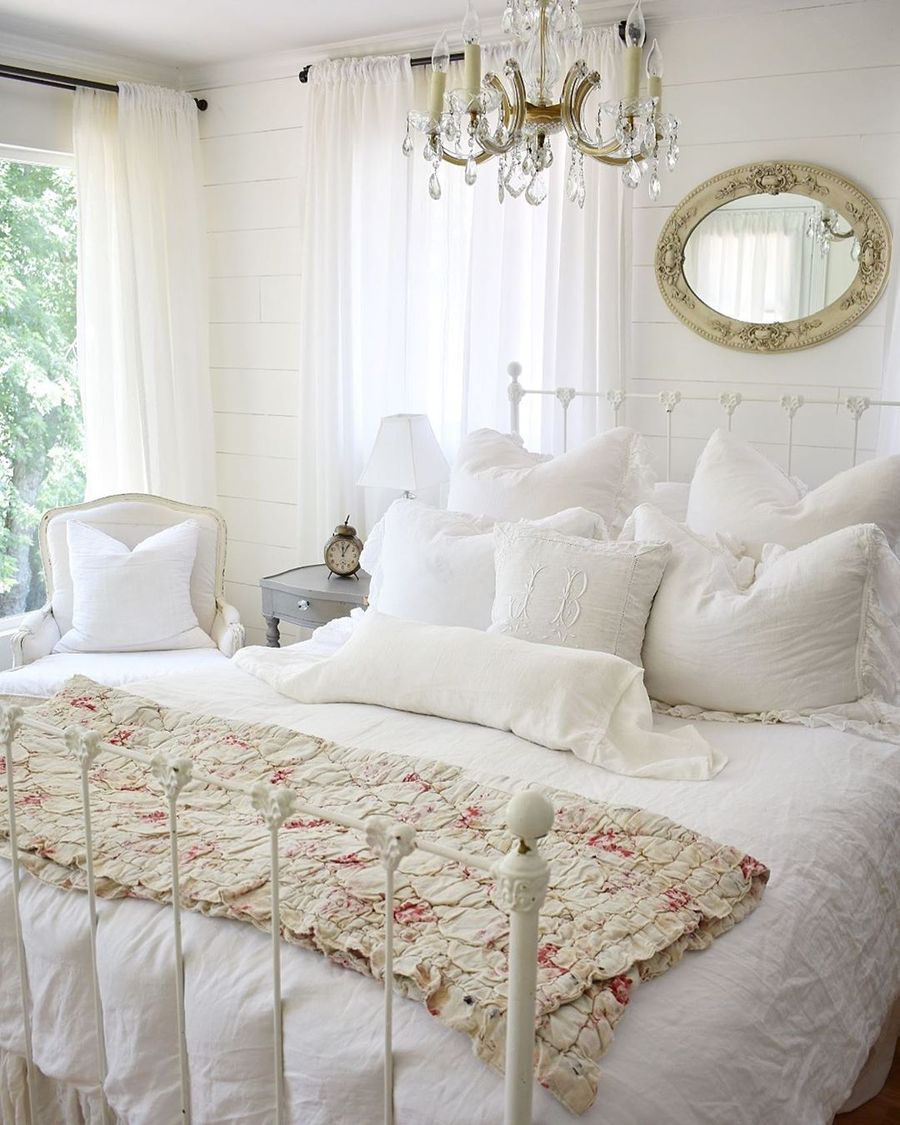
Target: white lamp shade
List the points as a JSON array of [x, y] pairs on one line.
[[405, 456]]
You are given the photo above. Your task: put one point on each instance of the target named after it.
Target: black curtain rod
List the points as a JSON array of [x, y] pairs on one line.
[[425, 60], [64, 82], [421, 60]]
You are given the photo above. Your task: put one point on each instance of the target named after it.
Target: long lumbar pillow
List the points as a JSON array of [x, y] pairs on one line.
[[737, 491], [803, 630], [591, 703]]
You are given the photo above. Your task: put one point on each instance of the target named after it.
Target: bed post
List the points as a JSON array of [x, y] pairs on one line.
[[522, 876], [10, 717], [515, 392]]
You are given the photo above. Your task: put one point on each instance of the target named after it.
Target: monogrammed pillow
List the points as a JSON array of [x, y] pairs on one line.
[[739, 492], [563, 590], [436, 566]]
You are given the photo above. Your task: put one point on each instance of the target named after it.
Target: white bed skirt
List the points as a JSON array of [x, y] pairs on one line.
[[61, 1104], [58, 1103]]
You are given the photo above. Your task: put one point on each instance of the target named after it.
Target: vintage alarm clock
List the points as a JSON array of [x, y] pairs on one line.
[[342, 551]]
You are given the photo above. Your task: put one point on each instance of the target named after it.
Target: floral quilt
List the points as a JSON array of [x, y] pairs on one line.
[[629, 892]]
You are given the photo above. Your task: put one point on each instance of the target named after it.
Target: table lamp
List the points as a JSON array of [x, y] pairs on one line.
[[405, 456]]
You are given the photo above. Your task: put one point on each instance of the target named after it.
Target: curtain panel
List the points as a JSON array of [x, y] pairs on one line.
[[414, 305], [142, 295]]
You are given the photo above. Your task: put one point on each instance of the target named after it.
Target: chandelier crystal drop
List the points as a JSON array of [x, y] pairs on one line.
[[515, 120], [823, 228]]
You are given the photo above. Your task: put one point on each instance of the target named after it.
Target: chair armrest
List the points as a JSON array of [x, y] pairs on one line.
[[35, 637], [227, 630]]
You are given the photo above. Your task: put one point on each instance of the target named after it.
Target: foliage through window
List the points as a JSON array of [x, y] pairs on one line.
[[40, 411]]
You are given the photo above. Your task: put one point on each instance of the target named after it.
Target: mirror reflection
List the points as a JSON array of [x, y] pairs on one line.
[[771, 258]]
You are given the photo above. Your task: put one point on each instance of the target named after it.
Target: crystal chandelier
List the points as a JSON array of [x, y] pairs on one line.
[[822, 228], [486, 119]]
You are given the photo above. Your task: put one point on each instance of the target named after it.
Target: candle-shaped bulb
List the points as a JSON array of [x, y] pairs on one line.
[[471, 25], [440, 56], [635, 28], [655, 61]]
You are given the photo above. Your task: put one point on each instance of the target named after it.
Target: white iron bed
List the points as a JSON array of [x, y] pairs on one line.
[[774, 1022]]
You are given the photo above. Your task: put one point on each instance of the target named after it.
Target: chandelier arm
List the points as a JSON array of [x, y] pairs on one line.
[[461, 161], [578, 85], [506, 117]]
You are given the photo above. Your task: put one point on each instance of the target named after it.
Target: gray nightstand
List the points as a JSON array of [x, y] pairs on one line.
[[309, 596]]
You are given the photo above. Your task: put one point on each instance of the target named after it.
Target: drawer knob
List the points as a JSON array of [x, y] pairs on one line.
[[303, 603]]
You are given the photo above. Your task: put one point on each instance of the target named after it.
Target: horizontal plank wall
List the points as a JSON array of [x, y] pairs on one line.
[[820, 84], [251, 137], [814, 84]]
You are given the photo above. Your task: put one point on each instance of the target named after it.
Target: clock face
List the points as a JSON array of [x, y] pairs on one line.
[[342, 556]]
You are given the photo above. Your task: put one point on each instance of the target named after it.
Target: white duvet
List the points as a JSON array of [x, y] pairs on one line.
[[770, 1025]]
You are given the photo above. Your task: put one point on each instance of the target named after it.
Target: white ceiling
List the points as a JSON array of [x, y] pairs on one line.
[[200, 33]]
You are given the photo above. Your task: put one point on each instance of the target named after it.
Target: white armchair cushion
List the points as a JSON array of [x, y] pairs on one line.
[[132, 600], [131, 520]]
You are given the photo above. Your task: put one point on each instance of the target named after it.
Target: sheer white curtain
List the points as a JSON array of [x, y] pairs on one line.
[[415, 305], [752, 264], [142, 294]]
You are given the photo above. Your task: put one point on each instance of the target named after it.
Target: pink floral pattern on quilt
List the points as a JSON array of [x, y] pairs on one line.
[[630, 891]]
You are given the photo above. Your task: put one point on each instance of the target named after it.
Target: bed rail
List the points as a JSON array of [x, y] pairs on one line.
[[729, 401], [521, 879]]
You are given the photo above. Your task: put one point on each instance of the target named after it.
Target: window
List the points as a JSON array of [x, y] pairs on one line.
[[40, 411]]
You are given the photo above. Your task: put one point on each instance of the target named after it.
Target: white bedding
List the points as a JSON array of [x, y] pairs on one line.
[[769, 1025]]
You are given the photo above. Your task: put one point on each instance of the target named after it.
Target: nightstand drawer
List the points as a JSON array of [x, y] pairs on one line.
[[303, 610]]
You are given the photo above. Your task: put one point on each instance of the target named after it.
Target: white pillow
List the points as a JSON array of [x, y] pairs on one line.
[[564, 590], [738, 491], [811, 628], [132, 600], [431, 565], [495, 476], [591, 703], [671, 497]]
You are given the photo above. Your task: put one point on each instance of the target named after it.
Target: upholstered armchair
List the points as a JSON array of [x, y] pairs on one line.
[[129, 518]]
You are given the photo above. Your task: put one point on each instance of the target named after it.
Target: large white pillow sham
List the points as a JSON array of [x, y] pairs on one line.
[[494, 475], [564, 590], [428, 564], [737, 491], [810, 628], [591, 703], [132, 600]]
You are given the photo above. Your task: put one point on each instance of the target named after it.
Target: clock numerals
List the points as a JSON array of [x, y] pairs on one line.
[[342, 557]]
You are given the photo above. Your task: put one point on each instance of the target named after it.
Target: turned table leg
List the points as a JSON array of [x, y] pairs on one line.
[[273, 637]]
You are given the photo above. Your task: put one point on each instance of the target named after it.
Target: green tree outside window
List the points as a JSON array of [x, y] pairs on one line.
[[40, 411]]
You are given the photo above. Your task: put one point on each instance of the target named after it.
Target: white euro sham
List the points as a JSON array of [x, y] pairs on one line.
[[494, 475], [803, 630], [737, 491], [590, 703], [564, 590]]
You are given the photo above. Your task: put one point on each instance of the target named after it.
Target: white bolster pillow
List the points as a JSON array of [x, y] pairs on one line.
[[591, 703]]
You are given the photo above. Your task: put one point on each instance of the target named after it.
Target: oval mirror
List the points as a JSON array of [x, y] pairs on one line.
[[772, 257]]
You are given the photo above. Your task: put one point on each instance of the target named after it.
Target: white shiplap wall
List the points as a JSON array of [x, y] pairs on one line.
[[814, 84], [252, 145], [817, 83]]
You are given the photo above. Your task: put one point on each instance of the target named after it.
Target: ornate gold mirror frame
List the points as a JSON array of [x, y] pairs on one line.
[[863, 214]]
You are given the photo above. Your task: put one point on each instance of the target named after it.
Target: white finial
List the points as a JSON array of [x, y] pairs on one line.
[[529, 815]]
